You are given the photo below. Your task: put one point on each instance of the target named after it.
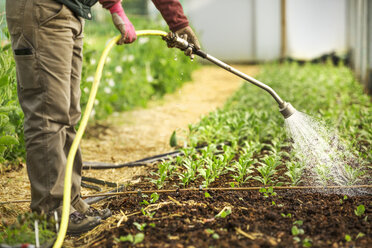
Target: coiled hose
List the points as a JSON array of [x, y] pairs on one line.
[[84, 121]]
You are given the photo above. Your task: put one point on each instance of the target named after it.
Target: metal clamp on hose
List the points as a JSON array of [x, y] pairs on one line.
[[173, 40]]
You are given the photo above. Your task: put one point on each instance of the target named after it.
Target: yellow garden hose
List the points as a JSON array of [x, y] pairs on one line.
[[81, 130]]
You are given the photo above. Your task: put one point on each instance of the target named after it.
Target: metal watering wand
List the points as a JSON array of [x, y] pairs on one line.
[[285, 108]]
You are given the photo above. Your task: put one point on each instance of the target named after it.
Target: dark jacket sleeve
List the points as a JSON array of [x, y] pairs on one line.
[[172, 12], [108, 3]]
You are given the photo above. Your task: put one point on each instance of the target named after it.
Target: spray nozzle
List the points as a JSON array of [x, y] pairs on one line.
[[287, 110]]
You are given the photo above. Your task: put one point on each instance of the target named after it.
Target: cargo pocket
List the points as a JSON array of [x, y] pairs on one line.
[[26, 64], [49, 11]]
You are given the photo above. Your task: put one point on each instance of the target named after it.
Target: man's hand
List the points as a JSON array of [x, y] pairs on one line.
[[188, 34], [122, 23]]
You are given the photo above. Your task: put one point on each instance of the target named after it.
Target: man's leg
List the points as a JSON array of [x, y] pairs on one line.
[[75, 113], [42, 39]]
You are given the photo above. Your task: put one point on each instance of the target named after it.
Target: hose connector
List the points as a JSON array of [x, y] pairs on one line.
[[173, 40], [287, 110]]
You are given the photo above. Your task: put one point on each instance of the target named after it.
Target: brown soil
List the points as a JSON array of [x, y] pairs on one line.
[[188, 219]]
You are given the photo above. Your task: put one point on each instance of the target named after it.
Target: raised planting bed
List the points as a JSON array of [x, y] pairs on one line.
[[245, 144], [238, 219]]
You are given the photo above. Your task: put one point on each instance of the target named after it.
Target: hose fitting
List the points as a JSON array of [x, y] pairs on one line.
[[287, 110], [173, 40]]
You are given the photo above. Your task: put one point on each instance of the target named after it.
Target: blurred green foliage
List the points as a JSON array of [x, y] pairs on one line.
[[11, 116], [133, 75], [326, 92]]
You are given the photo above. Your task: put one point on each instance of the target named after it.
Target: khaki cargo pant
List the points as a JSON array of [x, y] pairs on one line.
[[47, 40]]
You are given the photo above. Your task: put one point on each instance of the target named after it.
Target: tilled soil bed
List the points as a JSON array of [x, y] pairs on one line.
[[188, 219]]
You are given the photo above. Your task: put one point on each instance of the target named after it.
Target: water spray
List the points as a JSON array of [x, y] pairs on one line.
[[325, 156], [285, 108]]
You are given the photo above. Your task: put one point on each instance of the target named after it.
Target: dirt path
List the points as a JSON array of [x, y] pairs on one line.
[[139, 133], [146, 132]]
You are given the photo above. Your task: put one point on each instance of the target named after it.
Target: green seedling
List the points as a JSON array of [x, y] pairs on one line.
[[243, 166], [323, 173], [267, 169], [353, 176], [140, 227], [343, 199], [147, 213], [359, 210], [154, 197], [295, 170], [298, 222], [212, 169], [348, 238], [191, 167], [207, 195], [268, 191], [360, 235], [165, 170], [289, 215], [297, 231], [224, 212], [138, 238], [144, 202], [307, 242], [213, 233]]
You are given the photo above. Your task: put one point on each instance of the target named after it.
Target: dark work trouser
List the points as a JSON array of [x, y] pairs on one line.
[[47, 40]]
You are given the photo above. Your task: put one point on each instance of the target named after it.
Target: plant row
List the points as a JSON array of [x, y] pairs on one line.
[[246, 141]]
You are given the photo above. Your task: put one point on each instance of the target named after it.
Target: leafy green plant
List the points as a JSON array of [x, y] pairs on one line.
[[165, 170], [323, 174], [243, 166], [190, 173], [267, 169], [294, 172], [360, 210], [154, 197], [212, 169], [353, 175], [11, 115]]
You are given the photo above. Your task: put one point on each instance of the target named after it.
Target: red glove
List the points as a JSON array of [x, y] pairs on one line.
[[122, 23]]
